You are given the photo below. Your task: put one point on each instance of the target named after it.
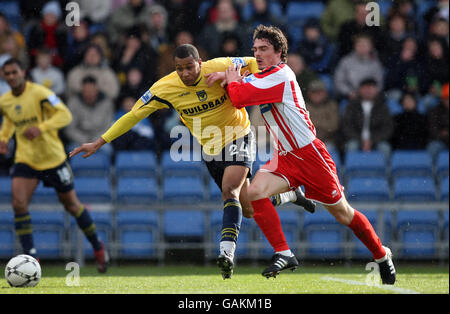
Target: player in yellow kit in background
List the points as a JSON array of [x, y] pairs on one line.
[[35, 114], [209, 114]]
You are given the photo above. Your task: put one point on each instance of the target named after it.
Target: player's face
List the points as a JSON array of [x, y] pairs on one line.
[[265, 53], [188, 69], [14, 75]]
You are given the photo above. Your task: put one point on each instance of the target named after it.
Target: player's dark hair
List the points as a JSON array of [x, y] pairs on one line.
[[276, 38], [12, 61], [185, 51]]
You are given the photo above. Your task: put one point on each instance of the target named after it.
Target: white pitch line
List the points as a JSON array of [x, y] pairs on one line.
[[359, 283]]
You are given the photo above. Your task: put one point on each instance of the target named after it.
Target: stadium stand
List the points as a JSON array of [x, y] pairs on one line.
[[137, 190], [411, 163], [97, 165], [368, 189], [414, 189], [48, 232], [418, 232], [365, 164], [155, 183], [137, 233], [136, 164], [7, 234]]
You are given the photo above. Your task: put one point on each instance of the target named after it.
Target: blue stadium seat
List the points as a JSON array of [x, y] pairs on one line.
[[394, 106], [183, 189], [245, 239], [365, 164], [104, 225], [7, 234], [442, 164], [418, 232], [324, 235], [260, 160], [5, 189], [445, 233], [137, 233], [369, 189], [275, 9], [214, 192], [185, 165], [44, 194], [334, 153], [136, 163], [411, 163], [97, 165], [11, 10], [301, 11], [93, 189], [137, 190], [414, 189], [291, 229], [48, 232], [443, 195], [184, 224]]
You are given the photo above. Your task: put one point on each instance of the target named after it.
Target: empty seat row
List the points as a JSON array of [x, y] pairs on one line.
[[139, 234]]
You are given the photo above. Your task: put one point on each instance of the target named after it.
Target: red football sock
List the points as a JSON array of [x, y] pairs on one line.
[[364, 231], [269, 222]]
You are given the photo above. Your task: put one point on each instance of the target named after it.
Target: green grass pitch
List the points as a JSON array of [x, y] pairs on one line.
[[142, 279]]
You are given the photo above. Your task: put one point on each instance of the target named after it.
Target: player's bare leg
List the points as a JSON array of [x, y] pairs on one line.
[[233, 179], [22, 190], [74, 207], [362, 228], [264, 185]]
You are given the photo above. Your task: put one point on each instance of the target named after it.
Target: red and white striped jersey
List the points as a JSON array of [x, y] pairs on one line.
[[276, 91]]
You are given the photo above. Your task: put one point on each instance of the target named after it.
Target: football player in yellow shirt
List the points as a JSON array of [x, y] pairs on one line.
[[35, 114], [223, 131]]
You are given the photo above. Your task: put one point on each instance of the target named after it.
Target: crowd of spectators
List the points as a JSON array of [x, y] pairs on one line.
[[366, 87]]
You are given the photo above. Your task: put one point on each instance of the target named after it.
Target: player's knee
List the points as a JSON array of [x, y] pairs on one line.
[[230, 191], [20, 206], [256, 192]]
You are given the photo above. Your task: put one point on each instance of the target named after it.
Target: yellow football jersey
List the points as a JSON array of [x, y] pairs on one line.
[[206, 111], [36, 106]]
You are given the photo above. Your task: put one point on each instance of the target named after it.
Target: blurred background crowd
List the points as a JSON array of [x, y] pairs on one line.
[[366, 87]]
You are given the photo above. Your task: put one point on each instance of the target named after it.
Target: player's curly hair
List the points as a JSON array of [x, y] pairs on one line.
[[275, 36]]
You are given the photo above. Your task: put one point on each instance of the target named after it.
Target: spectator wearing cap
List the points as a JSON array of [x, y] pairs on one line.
[[367, 122], [324, 111], [438, 120], [50, 33]]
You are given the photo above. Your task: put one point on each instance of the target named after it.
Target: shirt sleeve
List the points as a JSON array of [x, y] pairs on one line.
[[7, 130], [145, 106], [60, 115], [256, 89]]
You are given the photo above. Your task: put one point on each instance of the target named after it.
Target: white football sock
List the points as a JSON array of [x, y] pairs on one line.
[[229, 247], [287, 197], [287, 253]]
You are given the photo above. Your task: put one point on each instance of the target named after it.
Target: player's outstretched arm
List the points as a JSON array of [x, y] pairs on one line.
[[88, 148]]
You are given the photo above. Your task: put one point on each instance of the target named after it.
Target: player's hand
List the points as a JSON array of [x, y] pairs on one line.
[[233, 74], [3, 148], [211, 78], [88, 148], [32, 132]]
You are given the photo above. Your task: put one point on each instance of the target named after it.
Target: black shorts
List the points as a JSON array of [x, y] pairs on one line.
[[240, 152], [60, 178]]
